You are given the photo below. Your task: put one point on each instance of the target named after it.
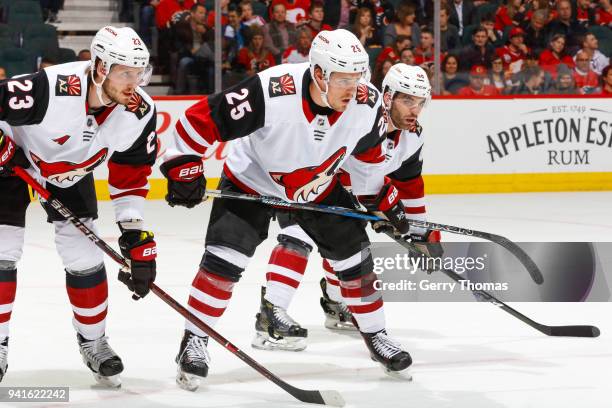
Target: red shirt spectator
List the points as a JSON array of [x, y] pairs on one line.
[[299, 52], [509, 15], [255, 57], [296, 10], [425, 51], [603, 14], [586, 79], [477, 86], [166, 9], [555, 55], [515, 51], [393, 52], [606, 76], [210, 20]]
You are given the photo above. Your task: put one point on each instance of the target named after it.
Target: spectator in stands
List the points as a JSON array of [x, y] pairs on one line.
[[393, 52], [255, 57], [315, 23], [480, 52], [603, 14], [452, 79], [510, 15], [498, 77], [147, 21], [405, 25], [167, 8], [425, 51], [585, 15], [587, 81], [210, 20], [296, 9], [380, 71], [449, 34], [477, 86], [248, 18], [590, 45], [407, 57], [299, 52], [279, 34], [536, 32], [564, 84], [532, 82], [195, 55], [462, 14], [514, 51], [555, 55], [235, 36], [338, 13], [2, 74], [364, 28], [84, 55], [606, 77], [494, 37], [543, 6], [565, 24], [50, 8]]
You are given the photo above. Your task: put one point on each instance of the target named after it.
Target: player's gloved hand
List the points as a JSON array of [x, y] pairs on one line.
[[10, 155], [139, 247], [388, 204], [186, 181], [428, 243]]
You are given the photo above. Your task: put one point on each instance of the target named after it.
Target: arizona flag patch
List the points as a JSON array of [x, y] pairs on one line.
[[366, 95], [138, 106], [280, 86], [68, 85]]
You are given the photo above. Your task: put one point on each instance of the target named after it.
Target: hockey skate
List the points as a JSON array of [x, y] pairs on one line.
[[337, 314], [193, 361], [276, 330], [101, 360], [389, 354], [3, 357]]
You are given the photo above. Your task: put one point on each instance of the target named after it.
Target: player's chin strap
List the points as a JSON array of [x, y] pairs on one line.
[[388, 109], [99, 88], [321, 92]]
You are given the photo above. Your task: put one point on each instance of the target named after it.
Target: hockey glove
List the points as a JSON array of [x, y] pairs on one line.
[[10, 155], [139, 247], [388, 203], [186, 181], [428, 243]]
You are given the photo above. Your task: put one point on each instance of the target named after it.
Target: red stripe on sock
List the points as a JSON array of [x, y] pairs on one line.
[[209, 284], [367, 308], [286, 258], [7, 292], [276, 277], [90, 297], [204, 308], [5, 317], [91, 319]]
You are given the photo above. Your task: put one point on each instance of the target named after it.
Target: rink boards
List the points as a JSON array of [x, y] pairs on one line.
[[504, 144]]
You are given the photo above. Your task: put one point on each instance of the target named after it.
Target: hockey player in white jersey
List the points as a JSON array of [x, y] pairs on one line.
[[406, 90], [63, 122], [293, 126]]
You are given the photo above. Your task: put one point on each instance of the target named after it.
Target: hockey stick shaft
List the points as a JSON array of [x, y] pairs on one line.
[[316, 397], [565, 331], [513, 248]]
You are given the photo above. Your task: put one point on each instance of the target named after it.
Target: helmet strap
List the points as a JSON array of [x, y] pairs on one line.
[[98, 87], [321, 92]]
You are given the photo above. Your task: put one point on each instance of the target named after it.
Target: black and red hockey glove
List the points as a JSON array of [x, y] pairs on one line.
[[428, 243], [10, 155], [139, 247], [186, 181], [388, 203]]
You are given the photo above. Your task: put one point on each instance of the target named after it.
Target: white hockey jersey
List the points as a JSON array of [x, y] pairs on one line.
[[47, 115], [291, 152]]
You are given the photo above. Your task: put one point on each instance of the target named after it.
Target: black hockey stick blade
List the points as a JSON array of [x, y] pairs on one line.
[[571, 331], [326, 397], [521, 255]]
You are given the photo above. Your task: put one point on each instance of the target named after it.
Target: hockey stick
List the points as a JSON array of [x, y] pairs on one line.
[[329, 397], [514, 249], [564, 331]]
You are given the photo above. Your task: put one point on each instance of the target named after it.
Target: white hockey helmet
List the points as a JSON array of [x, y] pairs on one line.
[[408, 79], [337, 51], [121, 46]]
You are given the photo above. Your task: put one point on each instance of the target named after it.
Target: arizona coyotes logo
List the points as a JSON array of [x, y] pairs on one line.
[[300, 183], [65, 170], [366, 95], [282, 85], [138, 106], [68, 85]]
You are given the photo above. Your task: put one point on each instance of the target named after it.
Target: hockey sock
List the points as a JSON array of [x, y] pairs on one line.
[[285, 271], [88, 294], [364, 302], [8, 287], [333, 284], [208, 298]]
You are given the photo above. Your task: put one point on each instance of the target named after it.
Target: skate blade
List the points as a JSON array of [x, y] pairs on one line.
[[263, 341], [188, 382], [112, 381], [403, 375], [334, 324]]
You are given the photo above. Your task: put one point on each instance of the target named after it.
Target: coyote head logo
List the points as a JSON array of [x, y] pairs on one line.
[[65, 170]]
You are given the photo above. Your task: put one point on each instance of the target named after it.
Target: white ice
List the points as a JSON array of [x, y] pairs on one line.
[[465, 354]]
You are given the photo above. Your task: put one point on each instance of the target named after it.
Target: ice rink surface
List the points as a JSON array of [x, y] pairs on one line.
[[465, 354]]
